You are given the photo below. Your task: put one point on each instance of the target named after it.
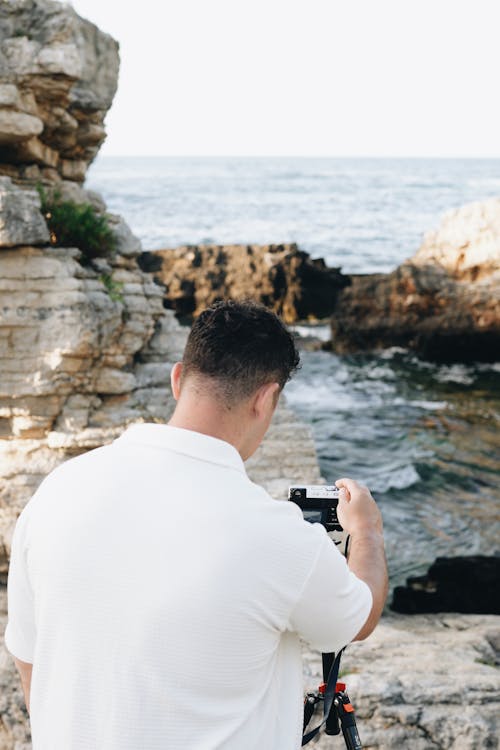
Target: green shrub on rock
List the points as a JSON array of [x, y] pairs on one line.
[[113, 288], [77, 225]]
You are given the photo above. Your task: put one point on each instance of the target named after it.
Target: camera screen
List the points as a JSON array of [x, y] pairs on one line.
[[313, 516]]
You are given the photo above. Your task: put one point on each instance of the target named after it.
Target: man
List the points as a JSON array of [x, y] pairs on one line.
[[159, 595]]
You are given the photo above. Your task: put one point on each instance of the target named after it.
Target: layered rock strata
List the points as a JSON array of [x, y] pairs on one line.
[[282, 277], [444, 302], [58, 77]]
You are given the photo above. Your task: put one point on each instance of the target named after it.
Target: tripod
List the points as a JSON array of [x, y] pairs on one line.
[[338, 712]]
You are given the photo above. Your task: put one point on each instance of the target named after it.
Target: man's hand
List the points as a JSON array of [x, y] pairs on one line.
[[357, 511], [358, 514]]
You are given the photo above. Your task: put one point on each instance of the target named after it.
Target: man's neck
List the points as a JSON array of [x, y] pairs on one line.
[[210, 421]]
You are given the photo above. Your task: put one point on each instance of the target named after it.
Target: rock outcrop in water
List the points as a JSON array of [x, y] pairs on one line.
[[444, 302], [453, 584], [282, 277]]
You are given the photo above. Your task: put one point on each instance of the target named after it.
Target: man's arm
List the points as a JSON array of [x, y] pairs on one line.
[[25, 669], [359, 515]]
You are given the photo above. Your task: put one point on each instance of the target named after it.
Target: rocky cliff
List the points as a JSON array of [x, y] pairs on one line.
[[58, 77], [444, 302]]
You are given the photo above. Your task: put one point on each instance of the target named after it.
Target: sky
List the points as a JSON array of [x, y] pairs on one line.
[[304, 78]]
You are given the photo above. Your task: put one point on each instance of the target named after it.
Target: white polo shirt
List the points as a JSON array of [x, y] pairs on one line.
[[160, 596]]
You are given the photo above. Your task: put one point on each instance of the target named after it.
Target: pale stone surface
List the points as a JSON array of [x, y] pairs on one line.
[[423, 682], [467, 242], [21, 222], [18, 126], [9, 95]]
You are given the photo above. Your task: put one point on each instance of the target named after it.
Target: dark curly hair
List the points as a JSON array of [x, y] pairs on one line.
[[241, 346]]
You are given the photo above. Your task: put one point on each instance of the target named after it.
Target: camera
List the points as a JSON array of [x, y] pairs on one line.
[[318, 504]]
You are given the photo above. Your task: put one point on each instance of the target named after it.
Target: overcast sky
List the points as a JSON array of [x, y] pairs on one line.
[[308, 77]]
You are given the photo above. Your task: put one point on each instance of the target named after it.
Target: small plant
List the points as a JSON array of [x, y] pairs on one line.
[[113, 288], [77, 225]]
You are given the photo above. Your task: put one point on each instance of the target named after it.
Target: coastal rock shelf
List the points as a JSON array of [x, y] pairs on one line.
[[423, 682], [444, 303]]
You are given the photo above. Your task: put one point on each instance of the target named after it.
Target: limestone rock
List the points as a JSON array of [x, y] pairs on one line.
[[282, 277], [21, 222], [9, 95], [444, 303], [467, 244], [422, 682], [58, 77], [18, 126]]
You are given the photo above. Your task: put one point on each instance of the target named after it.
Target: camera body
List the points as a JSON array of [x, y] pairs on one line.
[[318, 504]]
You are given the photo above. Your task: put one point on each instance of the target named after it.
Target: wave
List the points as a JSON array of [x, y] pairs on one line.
[[394, 479]]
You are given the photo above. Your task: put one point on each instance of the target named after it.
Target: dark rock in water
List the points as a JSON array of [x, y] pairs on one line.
[[469, 585], [282, 277], [444, 303]]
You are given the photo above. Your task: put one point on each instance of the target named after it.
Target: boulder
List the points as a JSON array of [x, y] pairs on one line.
[[453, 584], [443, 303], [282, 277]]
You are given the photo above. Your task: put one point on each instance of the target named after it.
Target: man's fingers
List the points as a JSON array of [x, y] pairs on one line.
[[344, 496], [346, 484]]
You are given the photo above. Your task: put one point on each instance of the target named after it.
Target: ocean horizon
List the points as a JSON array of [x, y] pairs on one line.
[[361, 214]]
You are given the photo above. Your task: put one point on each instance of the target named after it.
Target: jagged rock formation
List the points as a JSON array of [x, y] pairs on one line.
[[58, 77], [444, 303], [282, 277]]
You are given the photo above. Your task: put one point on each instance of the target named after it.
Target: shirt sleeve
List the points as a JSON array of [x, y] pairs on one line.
[[20, 632], [334, 603]]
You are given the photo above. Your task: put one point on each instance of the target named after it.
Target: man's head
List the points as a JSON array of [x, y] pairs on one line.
[[238, 357]]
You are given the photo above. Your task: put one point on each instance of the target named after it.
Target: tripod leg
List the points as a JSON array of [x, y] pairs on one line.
[[347, 718]]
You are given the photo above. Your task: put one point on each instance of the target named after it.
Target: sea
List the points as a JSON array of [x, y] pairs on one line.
[[423, 437]]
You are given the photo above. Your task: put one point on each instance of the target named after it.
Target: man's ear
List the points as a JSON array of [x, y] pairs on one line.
[[175, 380], [266, 399]]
